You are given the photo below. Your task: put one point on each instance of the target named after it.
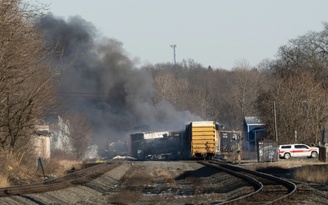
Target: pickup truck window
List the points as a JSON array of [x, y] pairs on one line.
[[301, 147]]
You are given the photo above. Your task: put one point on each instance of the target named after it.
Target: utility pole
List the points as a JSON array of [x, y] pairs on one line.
[[174, 59], [275, 119]]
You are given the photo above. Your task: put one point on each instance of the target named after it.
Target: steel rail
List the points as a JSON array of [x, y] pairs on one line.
[[73, 179], [291, 187]]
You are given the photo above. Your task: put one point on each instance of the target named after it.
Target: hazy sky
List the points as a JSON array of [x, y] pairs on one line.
[[212, 32]]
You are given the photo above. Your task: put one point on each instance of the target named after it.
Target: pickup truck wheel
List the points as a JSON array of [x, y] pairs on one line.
[[314, 154], [287, 156]]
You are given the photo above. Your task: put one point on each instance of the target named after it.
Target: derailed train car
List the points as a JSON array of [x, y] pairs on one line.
[[155, 145], [198, 140]]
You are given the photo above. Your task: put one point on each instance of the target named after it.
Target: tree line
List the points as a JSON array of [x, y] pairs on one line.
[[288, 93]]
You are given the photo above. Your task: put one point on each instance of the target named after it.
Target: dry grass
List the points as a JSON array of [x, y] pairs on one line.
[[13, 172], [57, 168], [23, 168], [303, 170], [286, 164], [312, 173], [124, 197], [165, 175], [196, 181], [137, 176], [4, 180], [140, 177]]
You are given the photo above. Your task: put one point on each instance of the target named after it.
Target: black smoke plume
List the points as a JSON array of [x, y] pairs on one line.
[[102, 83]]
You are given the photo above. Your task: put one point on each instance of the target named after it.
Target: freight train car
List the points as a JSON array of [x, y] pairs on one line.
[[200, 139], [155, 145], [230, 143]]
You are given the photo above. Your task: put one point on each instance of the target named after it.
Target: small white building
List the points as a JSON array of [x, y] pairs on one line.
[[42, 141]]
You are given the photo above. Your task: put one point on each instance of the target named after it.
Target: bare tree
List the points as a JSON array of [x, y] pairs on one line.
[[26, 88], [300, 105], [164, 83], [299, 89], [79, 135], [213, 94], [307, 52], [244, 89]]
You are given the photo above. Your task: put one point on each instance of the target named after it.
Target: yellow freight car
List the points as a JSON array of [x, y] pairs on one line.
[[202, 139]]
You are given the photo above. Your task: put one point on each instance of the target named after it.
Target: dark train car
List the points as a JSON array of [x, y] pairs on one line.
[[155, 145], [230, 143]]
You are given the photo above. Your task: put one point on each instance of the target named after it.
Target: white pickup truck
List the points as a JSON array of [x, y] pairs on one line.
[[297, 150]]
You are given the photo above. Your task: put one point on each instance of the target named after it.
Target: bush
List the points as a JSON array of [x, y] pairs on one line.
[[15, 172]]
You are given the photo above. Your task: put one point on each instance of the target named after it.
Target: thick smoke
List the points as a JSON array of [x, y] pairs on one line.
[[102, 83]]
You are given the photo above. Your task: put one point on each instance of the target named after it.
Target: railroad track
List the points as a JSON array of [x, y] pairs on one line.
[[176, 182], [76, 178], [268, 189]]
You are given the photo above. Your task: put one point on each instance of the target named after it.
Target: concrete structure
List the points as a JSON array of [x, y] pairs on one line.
[[42, 141]]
